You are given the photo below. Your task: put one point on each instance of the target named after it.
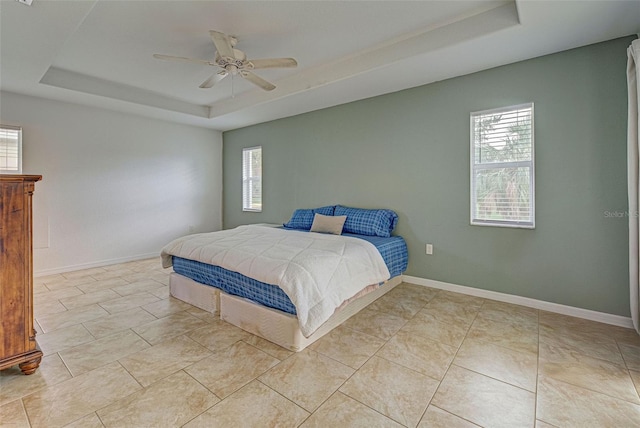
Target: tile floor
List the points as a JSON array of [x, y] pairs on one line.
[[119, 352]]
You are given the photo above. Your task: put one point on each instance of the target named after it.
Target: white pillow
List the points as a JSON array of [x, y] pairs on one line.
[[328, 223]]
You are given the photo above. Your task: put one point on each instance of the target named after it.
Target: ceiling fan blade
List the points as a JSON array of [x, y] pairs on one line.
[[215, 78], [257, 80], [223, 44], [274, 63], [183, 59]]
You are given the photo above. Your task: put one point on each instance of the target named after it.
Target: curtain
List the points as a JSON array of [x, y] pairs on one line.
[[633, 149]]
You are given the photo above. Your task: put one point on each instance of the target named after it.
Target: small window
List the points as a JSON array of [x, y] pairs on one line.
[[10, 149], [252, 179], [502, 167]]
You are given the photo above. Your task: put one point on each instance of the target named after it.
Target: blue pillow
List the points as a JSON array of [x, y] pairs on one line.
[[362, 221], [303, 219]]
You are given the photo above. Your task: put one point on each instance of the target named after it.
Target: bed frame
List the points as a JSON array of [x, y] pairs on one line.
[[271, 324]]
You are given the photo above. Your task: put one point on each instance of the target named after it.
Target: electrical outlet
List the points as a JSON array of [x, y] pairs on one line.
[[27, 2], [429, 249]]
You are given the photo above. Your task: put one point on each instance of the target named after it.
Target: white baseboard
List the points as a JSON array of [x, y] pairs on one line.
[[524, 301], [71, 268]]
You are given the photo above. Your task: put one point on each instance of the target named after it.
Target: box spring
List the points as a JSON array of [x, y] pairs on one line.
[[271, 324]]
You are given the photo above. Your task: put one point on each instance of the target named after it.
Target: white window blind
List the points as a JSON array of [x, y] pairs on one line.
[[252, 179], [502, 167], [10, 149]]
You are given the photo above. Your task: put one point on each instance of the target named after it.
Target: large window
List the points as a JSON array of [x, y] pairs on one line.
[[502, 167], [252, 179], [10, 149]]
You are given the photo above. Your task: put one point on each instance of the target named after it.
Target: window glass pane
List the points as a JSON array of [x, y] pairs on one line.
[[10, 150], [252, 179], [503, 194], [502, 167], [503, 137]]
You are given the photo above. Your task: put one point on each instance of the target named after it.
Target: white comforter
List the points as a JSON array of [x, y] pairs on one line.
[[318, 272]]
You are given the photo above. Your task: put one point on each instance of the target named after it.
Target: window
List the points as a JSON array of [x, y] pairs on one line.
[[10, 149], [502, 167], [252, 179]]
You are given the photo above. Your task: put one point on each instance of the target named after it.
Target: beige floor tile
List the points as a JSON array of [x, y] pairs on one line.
[[566, 323], [63, 338], [172, 401], [101, 352], [48, 296], [514, 367], [485, 401], [631, 355], [128, 302], [348, 346], [48, 278], [161, 292], [14, 384], [517, 336], [426, 325], [404, 306], [565, 405], [65, 402], [12, 415], [418, 353], [587, 372], [391, 389], [138, 287], [48, 308], [343, 411], [90, 421], [635, 377], [595, 345], [435, 417], [114, 323], [166, 307], [255, 405], [71, 317], [463, 299], [60, 283], [163, 359], [88, 298], [542, 424], [170, 326], [446, 310], [202, 314], [307, 378], [506, 312], [414, 291], [218, 335], [230, 369], [374, 323], [102, 284], [110, 274], [83, 273], [270, 348]]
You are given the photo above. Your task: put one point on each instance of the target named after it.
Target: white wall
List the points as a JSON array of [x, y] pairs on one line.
[[115, 187]]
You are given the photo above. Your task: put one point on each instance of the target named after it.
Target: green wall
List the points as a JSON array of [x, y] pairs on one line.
[[409, 151]]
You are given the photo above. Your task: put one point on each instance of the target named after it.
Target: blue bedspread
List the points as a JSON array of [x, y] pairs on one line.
[[393, 250]]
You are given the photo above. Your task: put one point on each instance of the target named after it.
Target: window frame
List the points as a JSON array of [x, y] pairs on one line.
[[247, 182], [499, 165], [19, 130]]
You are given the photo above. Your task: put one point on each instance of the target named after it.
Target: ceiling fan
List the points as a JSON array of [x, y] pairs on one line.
[[234, 61]]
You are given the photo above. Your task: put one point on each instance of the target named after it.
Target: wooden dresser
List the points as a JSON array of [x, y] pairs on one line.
[[17, 335]]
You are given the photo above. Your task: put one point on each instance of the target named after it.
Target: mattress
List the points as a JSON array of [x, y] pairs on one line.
[[392, 249]]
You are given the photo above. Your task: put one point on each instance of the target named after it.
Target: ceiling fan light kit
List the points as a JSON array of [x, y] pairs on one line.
[[234, 62]]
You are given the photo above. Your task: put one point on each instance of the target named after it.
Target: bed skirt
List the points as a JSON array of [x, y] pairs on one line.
[[271, 324]]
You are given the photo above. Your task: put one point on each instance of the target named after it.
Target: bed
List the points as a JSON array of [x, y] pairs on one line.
[[289, 284]]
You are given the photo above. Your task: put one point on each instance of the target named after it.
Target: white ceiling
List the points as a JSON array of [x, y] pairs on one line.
[[99, 53]]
